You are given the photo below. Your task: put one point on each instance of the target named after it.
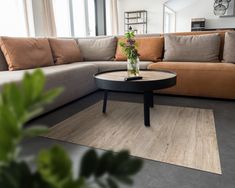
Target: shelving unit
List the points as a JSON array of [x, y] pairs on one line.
[[137, 20], [198, 24]]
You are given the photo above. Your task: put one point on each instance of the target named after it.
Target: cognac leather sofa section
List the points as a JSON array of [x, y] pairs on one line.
[[215, 80], [201, 79]]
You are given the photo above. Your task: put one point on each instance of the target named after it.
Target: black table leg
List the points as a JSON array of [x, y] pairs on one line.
[[147, 103], [151, 98], [105, 101]]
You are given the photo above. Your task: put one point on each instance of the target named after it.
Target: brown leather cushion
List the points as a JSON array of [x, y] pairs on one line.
[[65, 51], [26, 53], [149, 48]]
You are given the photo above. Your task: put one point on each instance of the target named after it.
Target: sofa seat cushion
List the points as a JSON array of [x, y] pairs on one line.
[[201, 79], [115, 65], [26, 53], [76, 79], [196, 66]]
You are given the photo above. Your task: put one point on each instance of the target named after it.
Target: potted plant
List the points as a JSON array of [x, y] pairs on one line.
[[19, 103], [130, 49]]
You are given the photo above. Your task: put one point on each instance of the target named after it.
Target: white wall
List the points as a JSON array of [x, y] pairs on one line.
[[201, 9], [154, 8]]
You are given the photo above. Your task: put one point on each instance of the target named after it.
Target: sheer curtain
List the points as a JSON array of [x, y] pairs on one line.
[[49, 18], [112, 17], [62, 17], [79, 18], [12, 18]]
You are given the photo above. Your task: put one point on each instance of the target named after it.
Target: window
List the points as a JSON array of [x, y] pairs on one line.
[[169, 20], [74, 17], [12, 18]]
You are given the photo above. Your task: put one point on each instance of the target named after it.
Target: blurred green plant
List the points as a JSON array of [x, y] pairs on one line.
[[19, 103]]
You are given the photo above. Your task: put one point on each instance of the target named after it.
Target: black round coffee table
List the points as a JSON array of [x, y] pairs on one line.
[[152, 80]]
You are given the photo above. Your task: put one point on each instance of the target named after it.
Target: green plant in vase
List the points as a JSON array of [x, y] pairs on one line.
[[130, 49]]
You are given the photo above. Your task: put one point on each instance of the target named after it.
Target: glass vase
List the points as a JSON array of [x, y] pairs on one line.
[[133, 67]]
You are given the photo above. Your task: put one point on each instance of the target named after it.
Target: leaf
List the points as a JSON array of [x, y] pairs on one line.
[[112, 183], [104, 164], [13, 99], [35, 131], [38, 83], [9, 135], [123, 165], [49, 96], [132, 167], [54, 165], [31, 113], [16, 175], [88, 164], [100, 183], [34, 96], [125, 180], [119, 159], [27, 88], [80, 183]]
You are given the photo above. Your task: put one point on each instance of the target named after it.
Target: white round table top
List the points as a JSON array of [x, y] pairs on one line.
[[148, 75]]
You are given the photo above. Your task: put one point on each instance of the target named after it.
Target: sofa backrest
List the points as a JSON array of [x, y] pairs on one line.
[[142, 35], [221, 33], [4, 66]]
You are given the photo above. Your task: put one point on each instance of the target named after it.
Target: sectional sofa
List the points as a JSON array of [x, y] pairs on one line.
[[214, 79]]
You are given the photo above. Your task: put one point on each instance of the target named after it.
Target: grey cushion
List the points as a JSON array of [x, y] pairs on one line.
[[194, 48], [229, 46], [98, 49], [3, 62], [115, 65]]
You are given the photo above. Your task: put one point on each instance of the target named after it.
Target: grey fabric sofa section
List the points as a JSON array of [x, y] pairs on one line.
[[76, 78]]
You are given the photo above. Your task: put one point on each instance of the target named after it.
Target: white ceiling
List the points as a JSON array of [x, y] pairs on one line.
[[177, 5]]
